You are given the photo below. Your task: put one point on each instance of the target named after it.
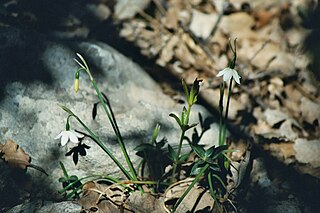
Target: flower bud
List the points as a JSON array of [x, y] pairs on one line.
[[76, 81]]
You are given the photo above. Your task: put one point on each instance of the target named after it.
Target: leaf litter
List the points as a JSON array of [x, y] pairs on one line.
[[278, 101]]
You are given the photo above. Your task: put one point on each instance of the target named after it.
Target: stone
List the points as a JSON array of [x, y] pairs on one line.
[[48, 207], [38, 75]]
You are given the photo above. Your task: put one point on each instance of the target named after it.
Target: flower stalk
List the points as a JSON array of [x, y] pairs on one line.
[[84, 67]]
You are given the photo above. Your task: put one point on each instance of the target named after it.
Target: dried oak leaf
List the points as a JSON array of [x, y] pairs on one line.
[[198, 199], [98, 197], [16, 157]]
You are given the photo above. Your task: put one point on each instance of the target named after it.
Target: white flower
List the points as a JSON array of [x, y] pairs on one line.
[[69, 135], [227, 73]]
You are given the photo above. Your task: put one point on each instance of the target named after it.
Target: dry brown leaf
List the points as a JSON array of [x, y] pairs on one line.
[[167, 52], [145, 202], [171, 19], [263, 18], [274, 116], [103, 198], [184, 55], [197, 199], [282, 151], [16, 157]]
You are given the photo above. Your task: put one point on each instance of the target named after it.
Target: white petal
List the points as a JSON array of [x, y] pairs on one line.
[[64, 139], [73, 137], [227, 76], [222, 72], [79, 135], [236, 77], [59, 136], [79, 63]]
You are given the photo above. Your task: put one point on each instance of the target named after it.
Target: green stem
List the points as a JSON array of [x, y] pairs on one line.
[[105, 149], [196, 179], [183, 131], [116, 131], [175, 164], [226, 114], [221, 125]]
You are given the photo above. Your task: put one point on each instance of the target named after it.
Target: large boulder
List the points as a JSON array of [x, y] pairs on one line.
[[37, 75]]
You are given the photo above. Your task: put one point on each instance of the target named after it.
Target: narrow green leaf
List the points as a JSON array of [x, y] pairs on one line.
[[172, 153], [185, 88], [183, 157], [210, 151], [196, 167], [184, 117], [155, 133], [218, 151], [176, 118], [190, 126], [199, 150]]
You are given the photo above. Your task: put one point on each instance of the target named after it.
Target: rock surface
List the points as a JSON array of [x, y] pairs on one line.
[[38, 74], [48, 207]]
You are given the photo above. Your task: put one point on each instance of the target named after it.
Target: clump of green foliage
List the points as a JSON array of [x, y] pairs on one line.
[[211, 164]]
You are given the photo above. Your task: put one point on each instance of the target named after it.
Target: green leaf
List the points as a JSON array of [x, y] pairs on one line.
[[215, 167], [190, 126], [183, 157], [184, 117], [94, 110], [197, 167], [155, 133], [199, 150], [66, 109], [176, 118], [210, 151], [185, 88], [62, 179], [200, 120], [161, 143], [218, 151], [73, 178], [143, 147], [172, 153], [194, 92]]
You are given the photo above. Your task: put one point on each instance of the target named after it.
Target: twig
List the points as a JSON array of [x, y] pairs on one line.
[[259, 50]]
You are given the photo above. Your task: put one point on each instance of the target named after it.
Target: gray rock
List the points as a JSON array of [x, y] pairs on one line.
[[48, 207], [38, 75]]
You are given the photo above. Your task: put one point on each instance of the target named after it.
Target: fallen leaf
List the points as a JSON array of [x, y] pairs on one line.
[[196, 200], [167, 52], [103, 198], [273, 117], [145, 202], [14, 155], [263, 18], [282, 151], [126, 9]]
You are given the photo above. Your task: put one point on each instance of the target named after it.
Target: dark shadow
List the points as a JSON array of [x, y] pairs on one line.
[[21, 58], [305, 187], [311, 21]]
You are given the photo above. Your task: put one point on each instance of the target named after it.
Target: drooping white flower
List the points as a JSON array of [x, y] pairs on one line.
[[69, 135], [227, 73]]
